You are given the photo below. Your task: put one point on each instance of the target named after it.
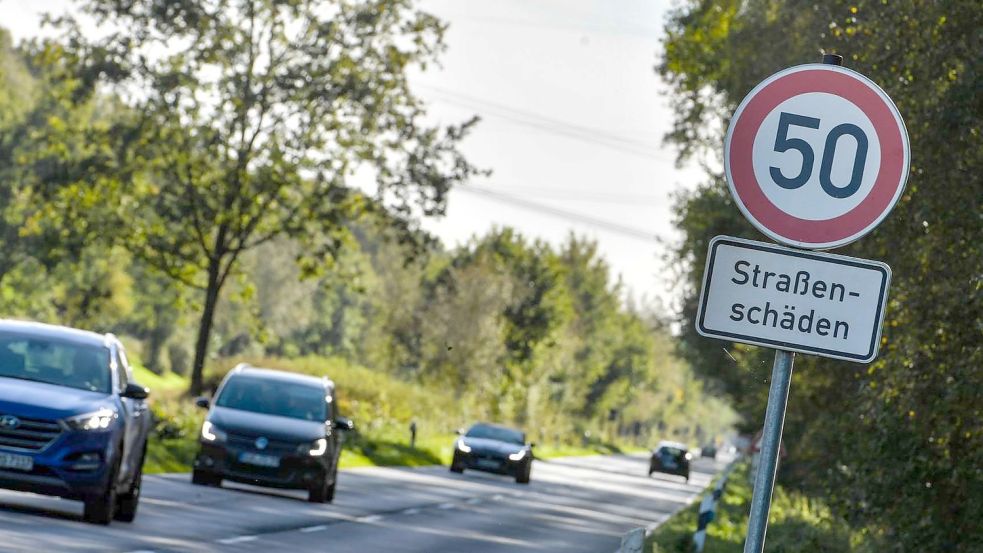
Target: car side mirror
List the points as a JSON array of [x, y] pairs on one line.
[[459, 431], [136, 391], [203, 402], [344, 423], [532, 444]]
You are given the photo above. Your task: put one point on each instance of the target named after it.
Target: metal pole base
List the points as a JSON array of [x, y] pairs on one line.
[[771, 439]]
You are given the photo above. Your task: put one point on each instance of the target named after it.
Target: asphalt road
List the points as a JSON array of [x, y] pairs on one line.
[[573, 504]]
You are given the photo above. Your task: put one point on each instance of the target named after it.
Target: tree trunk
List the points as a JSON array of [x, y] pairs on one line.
[[205, 326], [158, 335]]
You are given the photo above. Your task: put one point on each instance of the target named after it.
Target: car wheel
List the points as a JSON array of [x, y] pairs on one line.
[[318, 492], [126, 507], [329, 496], [202, 478], [100, 509], [522, 477], [457, 466]]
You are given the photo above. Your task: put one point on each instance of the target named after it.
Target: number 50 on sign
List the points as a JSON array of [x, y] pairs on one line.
[[816, 156]]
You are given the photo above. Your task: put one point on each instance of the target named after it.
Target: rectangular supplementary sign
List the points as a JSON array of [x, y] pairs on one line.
[[767, 295]]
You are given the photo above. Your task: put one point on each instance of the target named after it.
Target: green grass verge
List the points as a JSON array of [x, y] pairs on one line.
[[798, 524], [391, 451], [167, 384]]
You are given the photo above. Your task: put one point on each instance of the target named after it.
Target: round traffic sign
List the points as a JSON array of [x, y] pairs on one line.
[[816, 156]]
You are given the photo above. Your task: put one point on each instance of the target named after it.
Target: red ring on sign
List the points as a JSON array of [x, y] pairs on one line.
[[889, 173]]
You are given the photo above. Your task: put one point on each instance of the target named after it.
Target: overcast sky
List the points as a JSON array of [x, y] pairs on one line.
[[572, 121]]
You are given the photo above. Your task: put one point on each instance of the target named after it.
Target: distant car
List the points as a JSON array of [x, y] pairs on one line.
[[493, 448], [709, 451], [272, 428], [670, 458], [73, 423]]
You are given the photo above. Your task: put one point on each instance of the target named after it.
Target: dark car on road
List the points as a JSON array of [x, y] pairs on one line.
[[272, 428], [670, 458], [493, 448], [73, 424], [709, 451]]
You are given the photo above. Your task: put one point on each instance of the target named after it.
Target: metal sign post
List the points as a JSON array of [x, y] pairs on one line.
[[771, 439]]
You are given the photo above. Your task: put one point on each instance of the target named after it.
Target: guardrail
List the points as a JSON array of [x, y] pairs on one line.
[[708, 510], [634, 540]]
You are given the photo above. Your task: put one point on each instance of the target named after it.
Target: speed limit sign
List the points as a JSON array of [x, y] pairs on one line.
[[816, 156]]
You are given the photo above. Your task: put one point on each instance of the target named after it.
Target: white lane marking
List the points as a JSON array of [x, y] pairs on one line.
[[317, 528], [473, 501], [411, 512], [497, 497], [239, 539], [445, 506], [163, 502], [370, 518]]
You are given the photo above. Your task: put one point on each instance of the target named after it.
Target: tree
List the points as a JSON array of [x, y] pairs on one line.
[[249, 118], [53, 156], [597, 325]]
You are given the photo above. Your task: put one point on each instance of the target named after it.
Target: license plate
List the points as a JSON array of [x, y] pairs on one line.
[[270, 461], [488, 463], [18, 462]]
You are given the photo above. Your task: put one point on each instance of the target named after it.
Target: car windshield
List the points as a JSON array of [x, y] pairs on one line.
[[674, 451], [496, 433], [81, 366], [274, 397]]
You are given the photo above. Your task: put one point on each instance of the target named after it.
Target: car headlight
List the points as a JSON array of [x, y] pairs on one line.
[[90, 422], [212, 433], [318, 448], [518, 455], [689, 456], [463, 447]]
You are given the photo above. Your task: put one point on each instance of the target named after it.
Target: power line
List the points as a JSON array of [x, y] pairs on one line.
[[638, 200], [550, 125], [562, 213], [539, 121], [536, 116], [621, 29]]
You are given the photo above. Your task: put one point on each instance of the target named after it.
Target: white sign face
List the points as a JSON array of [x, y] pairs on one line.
[[816, 156], [767, 295]]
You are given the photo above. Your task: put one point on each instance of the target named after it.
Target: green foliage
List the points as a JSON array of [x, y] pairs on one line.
[[798, 524], [446, 317], [894, 446], [244, 124], [516, 331], [174, 440]]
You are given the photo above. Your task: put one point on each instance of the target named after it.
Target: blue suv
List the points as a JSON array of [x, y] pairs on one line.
[[73, 423]]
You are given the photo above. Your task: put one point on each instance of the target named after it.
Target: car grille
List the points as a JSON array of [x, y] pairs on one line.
[[30, 434], [489, 456], [273, 446]]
